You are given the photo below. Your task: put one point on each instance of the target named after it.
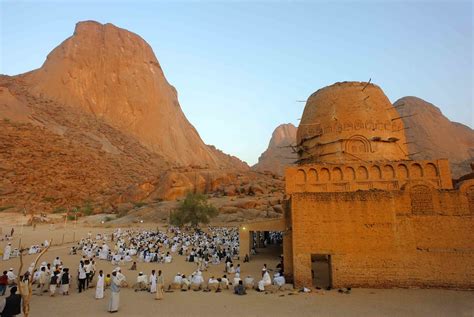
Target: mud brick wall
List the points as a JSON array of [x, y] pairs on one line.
[[414, 237]]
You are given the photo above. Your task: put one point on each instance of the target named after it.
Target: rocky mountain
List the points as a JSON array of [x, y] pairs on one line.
[[431, 135], [98, 123], [113, 74], [279, 153]]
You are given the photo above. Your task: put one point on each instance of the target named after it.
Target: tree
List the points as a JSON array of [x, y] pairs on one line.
[[26, 286], [194, 209]]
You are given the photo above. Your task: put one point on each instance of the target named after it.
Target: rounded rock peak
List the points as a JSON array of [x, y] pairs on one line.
[[350, 121]]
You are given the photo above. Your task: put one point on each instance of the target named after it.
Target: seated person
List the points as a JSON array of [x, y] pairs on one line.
[[265, 281], [278, 279], [142, 282], [224, 283], [213, 284], [197, 281], [186, 284], [236, 279], [249, 282], [239, 289]]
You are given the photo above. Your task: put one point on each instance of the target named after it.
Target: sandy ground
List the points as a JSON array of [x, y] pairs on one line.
[[361, 302]]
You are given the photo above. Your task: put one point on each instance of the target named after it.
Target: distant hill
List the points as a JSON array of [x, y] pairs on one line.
[[431, 135], [279, 153]]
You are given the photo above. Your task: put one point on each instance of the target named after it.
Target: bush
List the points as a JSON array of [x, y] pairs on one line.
[[108, 218], [87, 209], [5, 208], [194, 209]]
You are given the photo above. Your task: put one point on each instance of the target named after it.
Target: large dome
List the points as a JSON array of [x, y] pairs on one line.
[[350, 121]]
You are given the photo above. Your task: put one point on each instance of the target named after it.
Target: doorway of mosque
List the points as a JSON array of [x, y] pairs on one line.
[[321, 270]]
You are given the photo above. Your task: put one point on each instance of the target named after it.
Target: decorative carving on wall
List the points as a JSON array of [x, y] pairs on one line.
[[421, 200], [357, 144]]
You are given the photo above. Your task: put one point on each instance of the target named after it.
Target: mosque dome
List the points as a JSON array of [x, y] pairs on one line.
[[350, 121]]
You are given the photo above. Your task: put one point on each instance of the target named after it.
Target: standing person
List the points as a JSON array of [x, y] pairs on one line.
[[53, 283], [82, 277], [99, 290], [88, 268], [65, 280], [114, 293], [160, 282], [153, 282], [3, 283], [12, 304], [7, 251], [43, 279]]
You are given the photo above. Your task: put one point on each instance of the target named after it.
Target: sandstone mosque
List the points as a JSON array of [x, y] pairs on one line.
[[357, 200]]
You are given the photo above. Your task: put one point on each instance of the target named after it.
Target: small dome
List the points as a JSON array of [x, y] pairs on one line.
[[350, 121]]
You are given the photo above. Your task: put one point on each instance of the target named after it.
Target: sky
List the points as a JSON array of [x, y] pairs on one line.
[[240, 66]]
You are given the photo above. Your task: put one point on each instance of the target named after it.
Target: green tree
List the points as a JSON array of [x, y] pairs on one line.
[[194, 209]]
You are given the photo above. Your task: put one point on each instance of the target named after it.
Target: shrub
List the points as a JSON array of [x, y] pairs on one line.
[[87, 209], [194, 209]]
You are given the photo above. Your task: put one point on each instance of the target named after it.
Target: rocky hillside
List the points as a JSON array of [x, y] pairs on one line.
[[98, 124], [113, 74], [279, 153], [431, 135]]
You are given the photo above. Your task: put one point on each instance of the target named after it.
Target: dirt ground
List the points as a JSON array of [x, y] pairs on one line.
[[360, 302]]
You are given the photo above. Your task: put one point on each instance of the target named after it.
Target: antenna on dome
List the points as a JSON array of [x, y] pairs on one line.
[[407, 116], [365, 86], [400, 105]]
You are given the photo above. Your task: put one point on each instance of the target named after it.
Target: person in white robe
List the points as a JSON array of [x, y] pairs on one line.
[[7, 251], [153, 282], [197, 281], [236, 279], [265, 281], [114, 301], [11, 277], [249, 282], [278, 279], [99, 289]]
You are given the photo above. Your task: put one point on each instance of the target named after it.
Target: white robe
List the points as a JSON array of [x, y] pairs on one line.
[[265, 281], [99, 289], [114, 295], [6, 253], [153, 283]]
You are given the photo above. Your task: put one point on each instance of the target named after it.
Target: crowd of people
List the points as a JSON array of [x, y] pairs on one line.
[[214, 246]]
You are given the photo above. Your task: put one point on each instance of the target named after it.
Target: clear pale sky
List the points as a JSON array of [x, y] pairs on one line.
[[239, 67]]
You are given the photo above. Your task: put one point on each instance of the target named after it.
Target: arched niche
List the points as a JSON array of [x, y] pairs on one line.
[[388, 172], [402, 171], [312, 176], [357, 144], [431, 170], [300, 177], [375, 172], [349, 173], [362, 173], [324, 175], [337, 174], [416, 171]]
